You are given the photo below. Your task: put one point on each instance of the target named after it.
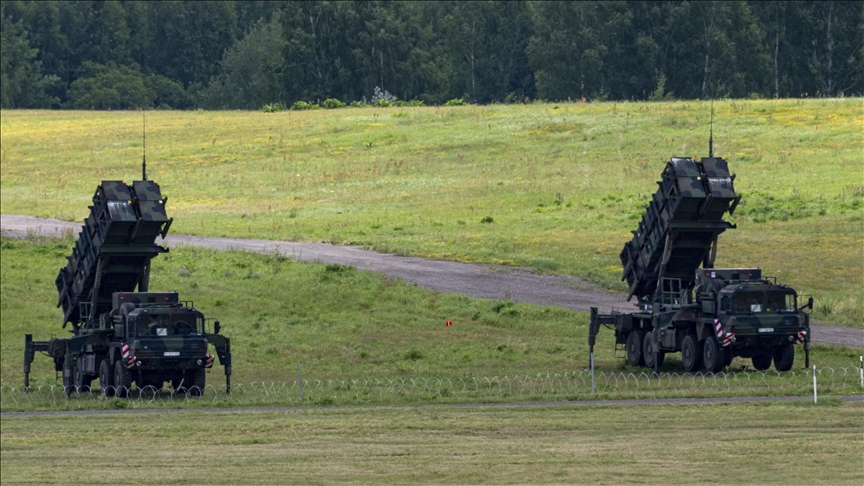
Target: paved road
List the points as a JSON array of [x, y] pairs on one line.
[[646, 401], [474, 280]]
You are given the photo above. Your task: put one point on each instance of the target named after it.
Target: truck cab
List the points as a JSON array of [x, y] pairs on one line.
[[762, 317]]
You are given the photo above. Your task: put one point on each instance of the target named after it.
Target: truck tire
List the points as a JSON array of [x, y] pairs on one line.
[[68, 373], [784, 357], [691, 353], [80, 380], [192, 383], [648, 353], [634, 347], [197, 381], [713, 355], [106, 378], [122, 379], [761, 361]]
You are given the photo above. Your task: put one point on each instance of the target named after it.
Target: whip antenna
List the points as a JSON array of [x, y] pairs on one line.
[[144, 144], [711, 136]]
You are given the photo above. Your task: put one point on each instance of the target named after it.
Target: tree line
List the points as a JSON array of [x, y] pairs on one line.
[[245, 54]]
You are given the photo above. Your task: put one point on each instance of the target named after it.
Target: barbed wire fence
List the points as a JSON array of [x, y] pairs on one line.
[[544, 386]]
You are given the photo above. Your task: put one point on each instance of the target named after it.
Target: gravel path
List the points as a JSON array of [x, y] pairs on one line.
[[468, 279]]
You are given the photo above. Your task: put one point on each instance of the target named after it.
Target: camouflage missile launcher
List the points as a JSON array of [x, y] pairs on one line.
[[121, 336], [708, 314]]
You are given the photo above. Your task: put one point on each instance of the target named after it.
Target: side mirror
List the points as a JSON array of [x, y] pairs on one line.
[[810, 303], [217, 326]]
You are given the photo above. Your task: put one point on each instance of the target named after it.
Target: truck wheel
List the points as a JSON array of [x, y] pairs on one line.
[[634, 348], [648, 354], [81, 380], [691, 353], [761, 361], [76, 378], [68, 385], [712, 355], [197, 379], [122, 379], [106, 379], [784, 356]]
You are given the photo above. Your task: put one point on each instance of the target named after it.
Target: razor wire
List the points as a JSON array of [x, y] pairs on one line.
[[573, 385]]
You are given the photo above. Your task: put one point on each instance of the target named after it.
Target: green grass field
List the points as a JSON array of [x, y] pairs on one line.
[[560, 186], [767, 443], [345, 324]]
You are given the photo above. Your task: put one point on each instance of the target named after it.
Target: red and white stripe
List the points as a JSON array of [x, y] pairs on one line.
[[210, 359], [130, 360], [801, 335], [724, 338], [718, 329]]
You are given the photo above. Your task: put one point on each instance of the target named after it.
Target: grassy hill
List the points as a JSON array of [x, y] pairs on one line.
[[554, 186]]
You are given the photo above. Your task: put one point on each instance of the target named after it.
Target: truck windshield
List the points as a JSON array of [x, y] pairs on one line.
[[773, 301], [166, 325]]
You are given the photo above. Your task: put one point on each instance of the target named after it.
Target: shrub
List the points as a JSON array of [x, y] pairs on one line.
[[487, 219], [455, 102], [332, 103], [357, 104], [302, 105], [401, 103], [382, 103], [271, 108]]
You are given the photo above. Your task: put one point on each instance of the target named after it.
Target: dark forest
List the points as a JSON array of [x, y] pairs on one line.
[[247, 54]]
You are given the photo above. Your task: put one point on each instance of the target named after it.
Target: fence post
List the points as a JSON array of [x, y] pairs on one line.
[[861, 369], [300, 381], [592, 374], [814, 383]]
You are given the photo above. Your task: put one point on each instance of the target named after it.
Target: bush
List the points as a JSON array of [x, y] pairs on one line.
[[273, 108], [358, 104], [455, 102], [302, 105], [331, 103], [382, 103], [401, 103]]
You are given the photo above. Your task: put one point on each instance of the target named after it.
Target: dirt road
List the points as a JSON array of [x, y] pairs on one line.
[[474, 280]]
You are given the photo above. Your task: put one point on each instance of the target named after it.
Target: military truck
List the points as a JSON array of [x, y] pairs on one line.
[[708, 314], [122, 333]]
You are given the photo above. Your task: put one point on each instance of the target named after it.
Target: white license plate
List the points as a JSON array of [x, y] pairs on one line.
[[766, 329], [177, 353]]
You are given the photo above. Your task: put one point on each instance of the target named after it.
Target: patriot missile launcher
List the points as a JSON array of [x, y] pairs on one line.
[[122, 333], [708, 314]]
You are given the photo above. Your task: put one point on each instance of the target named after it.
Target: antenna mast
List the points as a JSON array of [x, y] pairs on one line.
[[711, 136], [144, 144]]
